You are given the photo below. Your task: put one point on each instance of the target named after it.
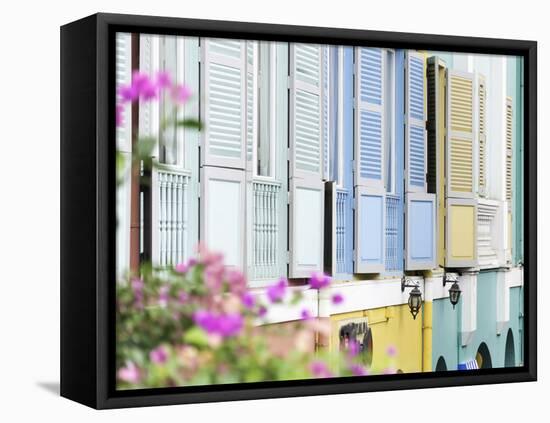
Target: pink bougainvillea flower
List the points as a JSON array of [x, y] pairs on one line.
[[119, 115], [248, 300], [164, 292], [129, 373], [128, 93], [180, 94], [236, 281], [319, 280], [224, 325], [337, 299], [353, 348], [276, 292], [358, 370], [262, 311], [183, 297], [164, 80], [319, 369], [159, 355], [305, 314], [137, 287], [140, 80], [149, 91], [391, 351]]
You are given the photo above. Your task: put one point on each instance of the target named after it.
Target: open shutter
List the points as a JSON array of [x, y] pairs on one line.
[[415, 116], [420, 221], [461, 233], [223, 213], [370, 202], [124, 146], [369, 121], [149, 113], [482, 135], [437, 83], [509, 181], [460, 139], [306, 184], [223, 105], [370, 211]]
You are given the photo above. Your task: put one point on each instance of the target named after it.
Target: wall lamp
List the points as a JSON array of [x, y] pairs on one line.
[[415, 296], [454, 290]]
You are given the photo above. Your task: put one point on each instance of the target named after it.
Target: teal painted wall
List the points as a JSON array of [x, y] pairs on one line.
[[444, 333], [486, 322], [514, 89]]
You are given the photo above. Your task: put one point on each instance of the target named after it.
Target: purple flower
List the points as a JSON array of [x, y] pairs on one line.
[[128, 93], [219, 324], [391, 351], [137, 287], [358, 370], [337, 299], [149, 91], [262, 311], [164, 295], [319, 280], [248, 300], [183, 297], [353, 348], [236, 280], [164, 80], [129, 374], [159, 355], [181, 93], [305, 314], [319, 369], [276, 292], [119, 115]]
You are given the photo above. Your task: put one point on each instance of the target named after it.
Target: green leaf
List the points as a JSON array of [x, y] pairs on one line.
[[190, 123], [196, 336]]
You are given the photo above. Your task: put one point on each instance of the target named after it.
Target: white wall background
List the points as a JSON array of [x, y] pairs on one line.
[[29, 210]]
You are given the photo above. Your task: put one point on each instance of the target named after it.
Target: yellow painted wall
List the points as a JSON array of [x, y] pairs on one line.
[[391, 326], [462, 232]]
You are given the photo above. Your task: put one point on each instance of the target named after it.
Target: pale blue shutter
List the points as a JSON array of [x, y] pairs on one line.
[[369, 118], [306, 185], [415, 123], [421, 219], [369, 158], [224, 103]]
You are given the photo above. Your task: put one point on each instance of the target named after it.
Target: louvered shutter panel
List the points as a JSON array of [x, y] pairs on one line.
[[460, 140], [482, 135], [369, 121], [326, 111], [224, 104], [306, 185], [509, 129], [415, 123], [124, 145], [251, 99]]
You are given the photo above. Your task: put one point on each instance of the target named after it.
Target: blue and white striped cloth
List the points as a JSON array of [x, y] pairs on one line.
[[468, 365]]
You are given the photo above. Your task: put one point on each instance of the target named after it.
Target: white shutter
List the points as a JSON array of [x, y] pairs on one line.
[[415, 121], [306, 167], [223, 105], [369, 119], [482, 135], [223, 213], [509, 129], [149, 112], [460, 139], [124, 146]]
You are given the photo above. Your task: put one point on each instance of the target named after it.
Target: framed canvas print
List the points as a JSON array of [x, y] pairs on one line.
[[257, 211]]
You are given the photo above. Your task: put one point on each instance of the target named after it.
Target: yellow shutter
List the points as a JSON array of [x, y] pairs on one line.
[[460, 154], [482, 93]]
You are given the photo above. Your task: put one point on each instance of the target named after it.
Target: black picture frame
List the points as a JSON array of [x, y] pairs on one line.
[[88, 210]]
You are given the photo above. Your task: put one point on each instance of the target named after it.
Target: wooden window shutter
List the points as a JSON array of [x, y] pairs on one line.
[[482, 135], [224, 106], [460, 140], [509, 129], [306, 218], [415, 135], [369, 119]]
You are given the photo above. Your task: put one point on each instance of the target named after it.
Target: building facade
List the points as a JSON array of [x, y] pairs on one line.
[[371, 165]]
